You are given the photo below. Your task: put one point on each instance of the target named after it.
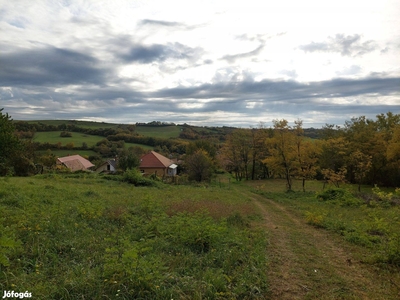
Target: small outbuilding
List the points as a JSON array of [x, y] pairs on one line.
[[109, 166], [75, 163]]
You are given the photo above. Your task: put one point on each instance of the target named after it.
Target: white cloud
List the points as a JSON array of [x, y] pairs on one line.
[[248, 61]]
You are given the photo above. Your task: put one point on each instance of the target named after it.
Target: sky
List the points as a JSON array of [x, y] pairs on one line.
[[204, 63]]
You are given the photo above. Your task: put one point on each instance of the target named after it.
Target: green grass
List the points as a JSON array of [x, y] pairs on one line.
[[159, 131], [53, 137], [79, 236], [362, 219]]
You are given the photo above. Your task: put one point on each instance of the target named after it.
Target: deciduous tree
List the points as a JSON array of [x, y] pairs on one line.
[[282, 151], [199, 166], [9, 143]]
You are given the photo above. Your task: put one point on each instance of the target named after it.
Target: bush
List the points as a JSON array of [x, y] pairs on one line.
[[339, 196], [135, 177], [315, 219], [65, 134]]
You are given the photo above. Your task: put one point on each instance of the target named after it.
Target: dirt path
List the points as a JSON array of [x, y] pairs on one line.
[[309, 263]]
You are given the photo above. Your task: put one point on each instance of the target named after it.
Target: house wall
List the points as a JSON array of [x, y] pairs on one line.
[[105, 168], [172, 172], [101, 168], [149, 171]]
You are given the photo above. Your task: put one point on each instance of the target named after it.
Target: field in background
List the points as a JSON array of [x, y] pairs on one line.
[[78, 138], [152, 131], [159, 131]]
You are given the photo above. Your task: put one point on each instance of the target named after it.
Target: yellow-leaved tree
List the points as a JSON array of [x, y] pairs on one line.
[[282, 158]]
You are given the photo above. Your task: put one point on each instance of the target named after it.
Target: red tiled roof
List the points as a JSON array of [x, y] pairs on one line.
[[154, 160]]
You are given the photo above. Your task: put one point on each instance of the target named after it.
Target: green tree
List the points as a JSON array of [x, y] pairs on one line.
[[128, 159], [48, 160], [199, 166], [9, 143]]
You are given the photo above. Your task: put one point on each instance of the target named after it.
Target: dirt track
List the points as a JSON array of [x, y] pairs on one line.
[[310, 263]]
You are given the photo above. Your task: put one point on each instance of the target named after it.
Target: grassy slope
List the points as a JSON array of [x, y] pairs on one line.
[[87, 237], [159, 131], [53, 137], [153, 131], [346, 260], [84, 237]]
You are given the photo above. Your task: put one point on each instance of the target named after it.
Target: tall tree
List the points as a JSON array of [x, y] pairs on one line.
[[361, 164], [282, 151], [308, 157], [199, 166], [237, 152], [9, 143], [128, 159], [258, 150]]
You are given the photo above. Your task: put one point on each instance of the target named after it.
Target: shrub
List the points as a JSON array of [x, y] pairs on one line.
[[339, 196], [315, 219], [65, 134], [135, 177]]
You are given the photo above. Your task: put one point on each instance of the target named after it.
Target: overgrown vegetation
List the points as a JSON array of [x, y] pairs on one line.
[[80, 236], [369, 219]]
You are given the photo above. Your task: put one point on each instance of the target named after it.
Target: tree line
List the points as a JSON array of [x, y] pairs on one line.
[[363, 151]]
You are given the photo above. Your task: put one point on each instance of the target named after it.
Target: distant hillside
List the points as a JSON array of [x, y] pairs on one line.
[[87, 134]]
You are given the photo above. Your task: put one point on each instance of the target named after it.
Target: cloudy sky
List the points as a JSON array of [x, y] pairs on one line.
[[234, 63]]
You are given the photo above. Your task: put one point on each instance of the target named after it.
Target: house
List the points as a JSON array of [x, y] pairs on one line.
[[155, 163], [75, 163], [109, 166]]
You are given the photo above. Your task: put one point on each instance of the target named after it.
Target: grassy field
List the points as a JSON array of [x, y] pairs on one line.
[[368, 219], [90, 238], [53, 137], [80, 236], [159, 131], [153, 131]]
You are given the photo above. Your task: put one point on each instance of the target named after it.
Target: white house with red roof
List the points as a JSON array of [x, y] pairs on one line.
[[155, 163]]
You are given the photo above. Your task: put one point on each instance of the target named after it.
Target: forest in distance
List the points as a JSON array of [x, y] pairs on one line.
[[362, 151]]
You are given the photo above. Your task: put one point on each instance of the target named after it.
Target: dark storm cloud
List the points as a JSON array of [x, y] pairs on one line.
[[285, 90], [49, 66], [145, 54], [350, 45]]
